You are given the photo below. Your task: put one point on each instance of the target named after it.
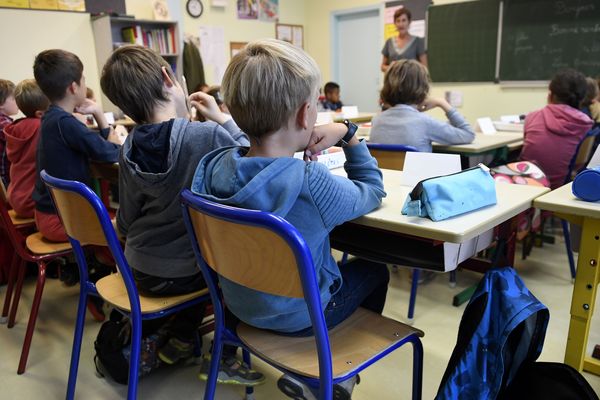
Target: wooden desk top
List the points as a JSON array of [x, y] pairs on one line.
[[362, 117], [481, 144], [562, 200], [512, 199]]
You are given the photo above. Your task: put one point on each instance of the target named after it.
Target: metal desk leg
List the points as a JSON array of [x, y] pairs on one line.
[[584, 297]]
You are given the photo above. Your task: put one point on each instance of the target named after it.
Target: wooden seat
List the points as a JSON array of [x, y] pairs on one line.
[[359, 338], [17, 221], [38, 244], [112, 289]]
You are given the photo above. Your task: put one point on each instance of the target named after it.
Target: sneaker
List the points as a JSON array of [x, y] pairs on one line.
[[298, 390], [232, 372], [175, 350]]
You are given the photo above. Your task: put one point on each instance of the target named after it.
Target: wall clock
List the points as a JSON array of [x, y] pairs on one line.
[[194, 8]]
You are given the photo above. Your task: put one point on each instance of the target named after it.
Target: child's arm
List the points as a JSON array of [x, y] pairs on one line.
[[91, 107], [207, 106], [340, 199], [458, 132], [80, 138]]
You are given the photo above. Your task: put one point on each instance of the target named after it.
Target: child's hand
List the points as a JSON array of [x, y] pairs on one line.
[[323, 137], [431, 102], [208, 107], [88, 107]]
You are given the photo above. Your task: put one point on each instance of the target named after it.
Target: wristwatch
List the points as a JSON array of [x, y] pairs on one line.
[[352, 128]]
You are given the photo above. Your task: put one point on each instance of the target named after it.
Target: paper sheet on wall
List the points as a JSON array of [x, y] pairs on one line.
[[212, 49]]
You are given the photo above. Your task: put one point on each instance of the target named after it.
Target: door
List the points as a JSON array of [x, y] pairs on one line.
[[356, 52]]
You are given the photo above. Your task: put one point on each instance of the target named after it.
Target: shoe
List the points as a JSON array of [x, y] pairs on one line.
[[175, 350], [232, 372], [94, 306], [68, 274], [298, 390]]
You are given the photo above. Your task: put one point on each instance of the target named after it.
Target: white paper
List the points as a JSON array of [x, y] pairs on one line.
[[455, 253], [510, 118], [454, 98], [218, 3], [324, 118], [595, 161], [110, 118], [486, 126], [350, 111], [419, 166], [212, 49], [417, 28]]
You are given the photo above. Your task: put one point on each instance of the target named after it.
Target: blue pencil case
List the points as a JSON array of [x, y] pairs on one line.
[[586, 185], [447, 196]]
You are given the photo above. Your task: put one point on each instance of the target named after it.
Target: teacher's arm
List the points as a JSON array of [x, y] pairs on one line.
[[423, 60], [385, 64]]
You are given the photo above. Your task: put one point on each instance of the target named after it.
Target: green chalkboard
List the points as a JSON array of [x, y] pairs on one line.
[[462, 40], [540, 37]]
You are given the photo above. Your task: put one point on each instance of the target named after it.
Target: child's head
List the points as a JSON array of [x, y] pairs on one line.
[[405, 82], [8, 105], [59, 74], [568, 87], [591, 94], [215, 91], [138, 80], [30, 98], [332, 92], [267, 84]]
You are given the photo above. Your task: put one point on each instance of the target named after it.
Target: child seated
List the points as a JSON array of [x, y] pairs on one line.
[[332, 100], [553, 133], [158, 160], [280, 120], [21, 146], [8, 107], [591, 96], [405, 94]]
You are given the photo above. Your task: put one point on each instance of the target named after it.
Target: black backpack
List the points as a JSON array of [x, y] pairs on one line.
[[113, 346]]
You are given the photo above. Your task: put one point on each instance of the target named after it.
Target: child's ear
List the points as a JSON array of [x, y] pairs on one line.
[[302, 115], [39, 114], [72, 88], [167, 78]]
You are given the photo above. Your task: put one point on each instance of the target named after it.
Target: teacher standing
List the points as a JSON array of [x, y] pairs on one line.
[[404, 45]]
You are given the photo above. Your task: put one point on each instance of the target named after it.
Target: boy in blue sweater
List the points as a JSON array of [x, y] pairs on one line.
[[158, 160], [280, 120]]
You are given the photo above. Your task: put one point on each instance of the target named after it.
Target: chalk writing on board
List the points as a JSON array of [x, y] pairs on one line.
[[561, 8]]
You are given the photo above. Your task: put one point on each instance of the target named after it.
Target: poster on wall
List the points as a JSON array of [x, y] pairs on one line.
[[43, 4], [269, 10], [418, 9], [212, 49], [14, 3], [293, 34], [247, 9], [71, 5]]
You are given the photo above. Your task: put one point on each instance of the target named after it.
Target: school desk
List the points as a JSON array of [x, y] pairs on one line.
[[380, 234], [362, 117], [586, 214]]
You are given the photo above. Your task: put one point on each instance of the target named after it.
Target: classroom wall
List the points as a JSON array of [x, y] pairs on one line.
[[484, 99]]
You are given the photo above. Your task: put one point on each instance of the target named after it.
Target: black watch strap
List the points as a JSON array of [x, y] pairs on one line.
[[352, 128]]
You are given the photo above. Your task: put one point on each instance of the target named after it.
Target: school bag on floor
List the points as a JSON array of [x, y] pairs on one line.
[[503, 327]]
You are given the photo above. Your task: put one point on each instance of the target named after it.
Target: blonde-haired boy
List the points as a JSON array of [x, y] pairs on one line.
[[8, 107], [271, 89], [22, 137]]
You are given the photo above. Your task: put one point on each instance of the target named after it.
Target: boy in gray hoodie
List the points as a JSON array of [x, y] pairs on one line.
[[157, 161]]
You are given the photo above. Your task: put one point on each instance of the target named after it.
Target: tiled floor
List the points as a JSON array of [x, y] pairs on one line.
[[545, 272]]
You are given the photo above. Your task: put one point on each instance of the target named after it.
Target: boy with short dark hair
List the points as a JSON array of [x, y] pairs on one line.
[[21, 144], [66, 145], [332, 100], [158, 160], [280, 120], [8, 107]]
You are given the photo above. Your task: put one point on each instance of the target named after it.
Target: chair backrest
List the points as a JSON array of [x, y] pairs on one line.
[[6, 223], [583, 153], [390, 156], [86, 221]]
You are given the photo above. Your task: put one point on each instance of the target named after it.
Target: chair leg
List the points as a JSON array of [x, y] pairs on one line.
[[452, 279], [417, 368], [567, 235], [413, 295], [217, 352], [14, 304], [12, 275], [134, 360], [35, 307], [246, 358], [77, 339]]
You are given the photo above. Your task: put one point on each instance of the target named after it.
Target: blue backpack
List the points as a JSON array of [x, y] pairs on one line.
[[502, 328]]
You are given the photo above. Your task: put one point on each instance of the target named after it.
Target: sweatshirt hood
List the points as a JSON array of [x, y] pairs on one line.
[[226, 176], [564, 120], [20, 134]]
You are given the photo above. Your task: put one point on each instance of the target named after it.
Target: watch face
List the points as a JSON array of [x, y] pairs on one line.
[[194, 8]]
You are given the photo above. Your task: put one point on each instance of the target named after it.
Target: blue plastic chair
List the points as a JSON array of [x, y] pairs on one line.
[[86, 221], [580, 158], [264, 252]]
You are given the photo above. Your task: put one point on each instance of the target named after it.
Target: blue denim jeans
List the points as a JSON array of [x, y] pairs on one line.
[[364, 284]]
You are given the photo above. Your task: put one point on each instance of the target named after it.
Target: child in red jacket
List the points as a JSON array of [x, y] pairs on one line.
[[21, 143], [8, 107]]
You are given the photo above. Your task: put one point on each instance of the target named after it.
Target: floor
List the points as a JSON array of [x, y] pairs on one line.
[[545, 272]]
